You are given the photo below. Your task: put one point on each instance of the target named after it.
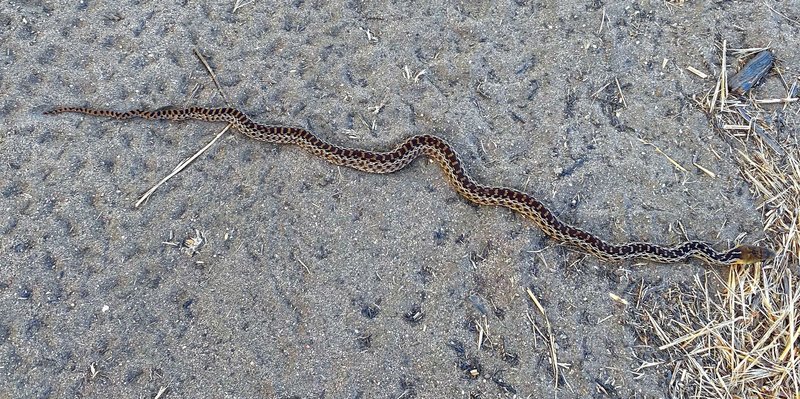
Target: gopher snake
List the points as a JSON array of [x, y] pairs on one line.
[[441, 152]]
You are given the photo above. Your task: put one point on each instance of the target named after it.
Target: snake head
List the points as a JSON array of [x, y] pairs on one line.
[[749, 254]]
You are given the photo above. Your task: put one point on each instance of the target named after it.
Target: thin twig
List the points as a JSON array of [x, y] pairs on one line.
[[180, 167], [213, 75]]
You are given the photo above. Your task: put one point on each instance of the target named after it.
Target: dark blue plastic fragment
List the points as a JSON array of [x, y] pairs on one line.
[[753, 71]]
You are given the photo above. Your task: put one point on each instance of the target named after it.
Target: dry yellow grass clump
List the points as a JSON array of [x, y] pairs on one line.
[[738, 336]]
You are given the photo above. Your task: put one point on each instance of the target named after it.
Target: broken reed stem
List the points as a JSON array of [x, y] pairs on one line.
[[551, 343], [181, 166]]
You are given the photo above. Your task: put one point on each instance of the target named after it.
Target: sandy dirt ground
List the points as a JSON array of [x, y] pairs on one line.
[[317, 281]]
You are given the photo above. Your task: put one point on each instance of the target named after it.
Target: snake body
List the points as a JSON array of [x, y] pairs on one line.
[[440, 151]]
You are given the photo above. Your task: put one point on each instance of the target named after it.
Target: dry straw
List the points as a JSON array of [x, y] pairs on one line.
[[738, 336]]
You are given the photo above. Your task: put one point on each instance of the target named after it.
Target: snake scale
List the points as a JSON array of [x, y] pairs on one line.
[[440, 151]]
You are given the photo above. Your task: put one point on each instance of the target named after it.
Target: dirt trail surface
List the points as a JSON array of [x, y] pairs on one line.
[[318, 281]]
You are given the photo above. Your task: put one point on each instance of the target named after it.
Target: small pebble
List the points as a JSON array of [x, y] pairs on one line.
[[24, 293]]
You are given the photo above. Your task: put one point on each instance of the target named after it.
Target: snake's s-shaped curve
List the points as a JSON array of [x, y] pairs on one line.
[[440, 151]]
